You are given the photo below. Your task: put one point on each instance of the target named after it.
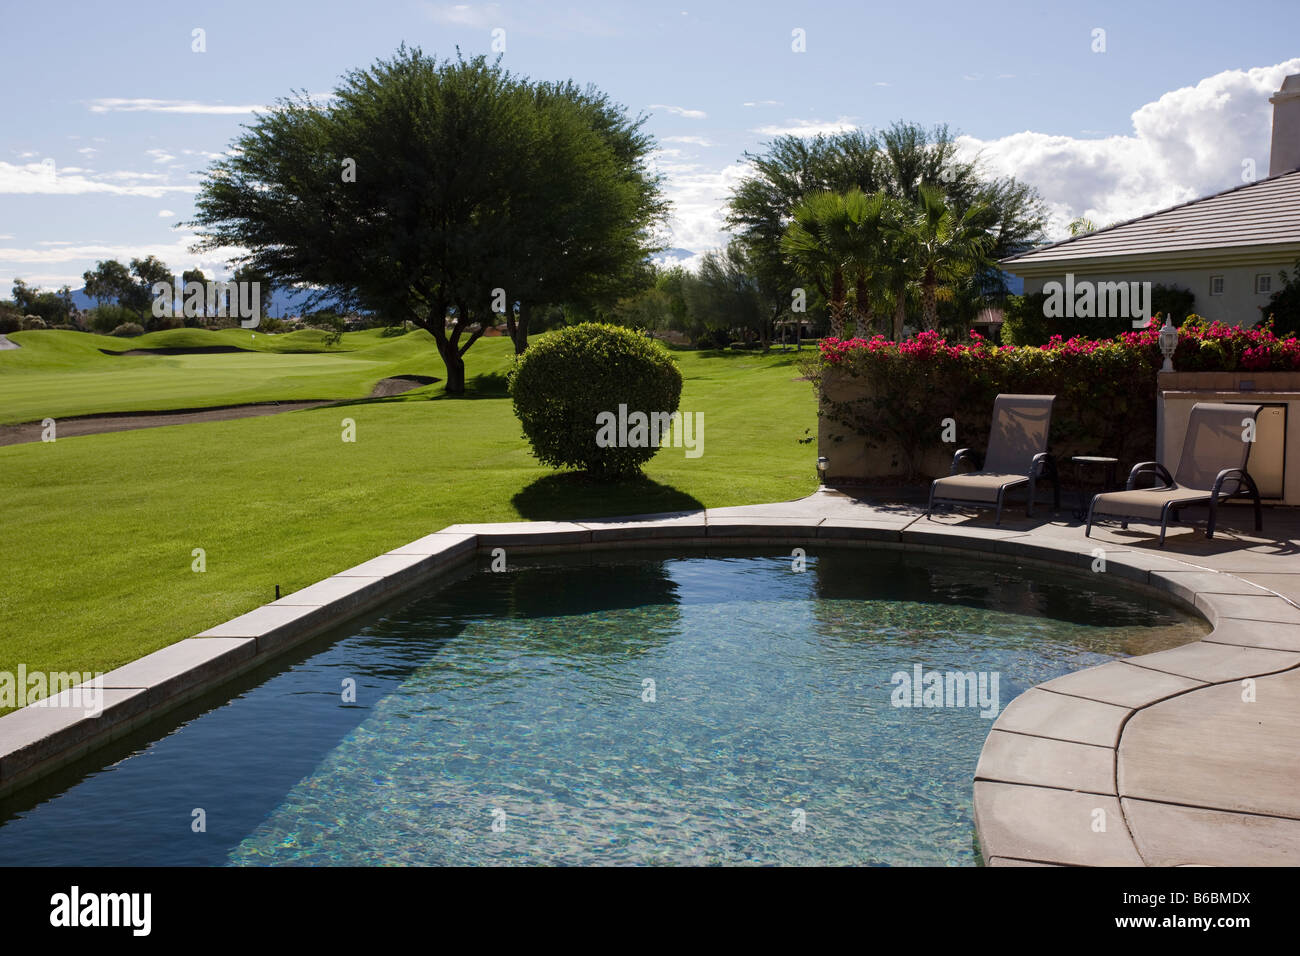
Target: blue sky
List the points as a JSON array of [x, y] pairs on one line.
[[129, 114]]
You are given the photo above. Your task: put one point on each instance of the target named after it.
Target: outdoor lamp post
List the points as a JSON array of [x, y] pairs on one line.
[[1168, 344], [822, 464]]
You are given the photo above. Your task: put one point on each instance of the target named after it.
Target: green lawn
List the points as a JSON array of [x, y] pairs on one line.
[[99, 530], [58, 374]]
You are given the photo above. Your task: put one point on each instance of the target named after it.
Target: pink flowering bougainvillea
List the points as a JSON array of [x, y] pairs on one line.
[[1105, 388]]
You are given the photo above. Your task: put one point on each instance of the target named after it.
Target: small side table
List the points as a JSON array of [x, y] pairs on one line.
[[1081, 464]]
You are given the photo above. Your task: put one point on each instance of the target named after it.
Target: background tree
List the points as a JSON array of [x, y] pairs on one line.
[[581, 231], [897, 161], [109, 281], [423, 230], [945, 247], [54, 308]]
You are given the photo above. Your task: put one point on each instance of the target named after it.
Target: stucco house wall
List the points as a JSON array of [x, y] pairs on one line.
[[1239, 304]]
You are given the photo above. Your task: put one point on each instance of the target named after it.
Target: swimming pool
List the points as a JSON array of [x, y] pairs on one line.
[[608, 708]]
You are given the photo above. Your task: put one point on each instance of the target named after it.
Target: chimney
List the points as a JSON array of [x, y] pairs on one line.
[[1285, 155]]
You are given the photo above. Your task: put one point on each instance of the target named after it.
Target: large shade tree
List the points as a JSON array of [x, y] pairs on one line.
[[424, 191]]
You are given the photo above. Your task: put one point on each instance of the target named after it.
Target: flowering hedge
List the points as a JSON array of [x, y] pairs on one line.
[[1105, 388]]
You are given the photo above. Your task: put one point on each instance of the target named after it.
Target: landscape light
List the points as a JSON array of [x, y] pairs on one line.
[[1168, 344], [822, 464]]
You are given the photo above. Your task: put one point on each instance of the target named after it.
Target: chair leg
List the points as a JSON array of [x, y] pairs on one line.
[[1164, 525], [1214, 508], [1087, 531], [930, 507], [1259, 510], [1029, 505], [997, 515]]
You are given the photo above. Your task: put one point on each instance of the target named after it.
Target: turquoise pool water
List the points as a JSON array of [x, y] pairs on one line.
[[720, 709]]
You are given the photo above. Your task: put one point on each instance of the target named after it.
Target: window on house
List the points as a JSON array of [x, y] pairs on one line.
[[1263, 284], [1216, 285]]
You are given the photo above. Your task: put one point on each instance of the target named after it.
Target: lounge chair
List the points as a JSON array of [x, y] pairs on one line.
[[1212, 468], [1017, 455]]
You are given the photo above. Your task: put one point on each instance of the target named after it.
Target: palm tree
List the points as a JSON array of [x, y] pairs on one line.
[[866, 245], [944, 247], [820, 243]]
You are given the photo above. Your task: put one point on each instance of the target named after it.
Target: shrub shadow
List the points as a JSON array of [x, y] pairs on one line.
[[571, 496]]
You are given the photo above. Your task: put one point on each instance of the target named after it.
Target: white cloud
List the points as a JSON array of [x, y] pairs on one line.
[[119, 105], [33, 178], [680, 111], [1190, 142], [763, 103], [165, 213], [798, 127], [484, 16], [159, 155], [698, 194], [690, 140], [65, 265]]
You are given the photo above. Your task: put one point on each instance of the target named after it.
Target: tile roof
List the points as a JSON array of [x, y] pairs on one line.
[[1258, 213]]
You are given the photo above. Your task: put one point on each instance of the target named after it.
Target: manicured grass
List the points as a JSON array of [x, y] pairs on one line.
[[57, 374], [99, 530]]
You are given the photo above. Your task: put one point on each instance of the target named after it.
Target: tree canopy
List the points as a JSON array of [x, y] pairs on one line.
[[450, 193]]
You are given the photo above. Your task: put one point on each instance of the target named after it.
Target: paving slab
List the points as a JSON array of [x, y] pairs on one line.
[[441, 544], [183, 666], [1120, 683], [1266, 634], [1015, 758], [1247, 607], [1052, 826], [1186, 585], [1215, 663], [1007, 861], [506, 533], [274, 626], [56, 730], [679, 525], [339, 591], [1041, 713], [794, 526], [1170, 835], [1210, 748]]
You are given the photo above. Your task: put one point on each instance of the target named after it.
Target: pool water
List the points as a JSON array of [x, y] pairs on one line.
[[607, 709]]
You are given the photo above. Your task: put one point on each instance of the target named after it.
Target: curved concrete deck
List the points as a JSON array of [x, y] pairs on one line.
[[1157, 760]]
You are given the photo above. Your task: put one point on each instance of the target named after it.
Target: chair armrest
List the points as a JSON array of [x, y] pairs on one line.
[[965, 453], [1228, 473], [1043, 464], [1149, 467]]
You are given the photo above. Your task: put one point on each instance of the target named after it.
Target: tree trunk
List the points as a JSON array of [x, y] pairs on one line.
[[837, 304], [452, 357], [929, 303], [519, 330], [864, 308], [455, 372]]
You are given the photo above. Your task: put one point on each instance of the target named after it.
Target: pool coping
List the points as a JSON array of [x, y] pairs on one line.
[[1071, 772]]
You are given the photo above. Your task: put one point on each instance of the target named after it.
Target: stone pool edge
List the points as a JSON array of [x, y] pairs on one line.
[[1048, 772]]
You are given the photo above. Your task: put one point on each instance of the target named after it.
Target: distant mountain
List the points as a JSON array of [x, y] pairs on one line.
[[284, 302]]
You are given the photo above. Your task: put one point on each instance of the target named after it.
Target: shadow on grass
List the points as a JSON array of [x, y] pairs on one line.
[[571, 495]]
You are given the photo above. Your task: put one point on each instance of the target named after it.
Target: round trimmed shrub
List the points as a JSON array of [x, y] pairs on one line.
[[33, 322], [570, 381], [128, 329]]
